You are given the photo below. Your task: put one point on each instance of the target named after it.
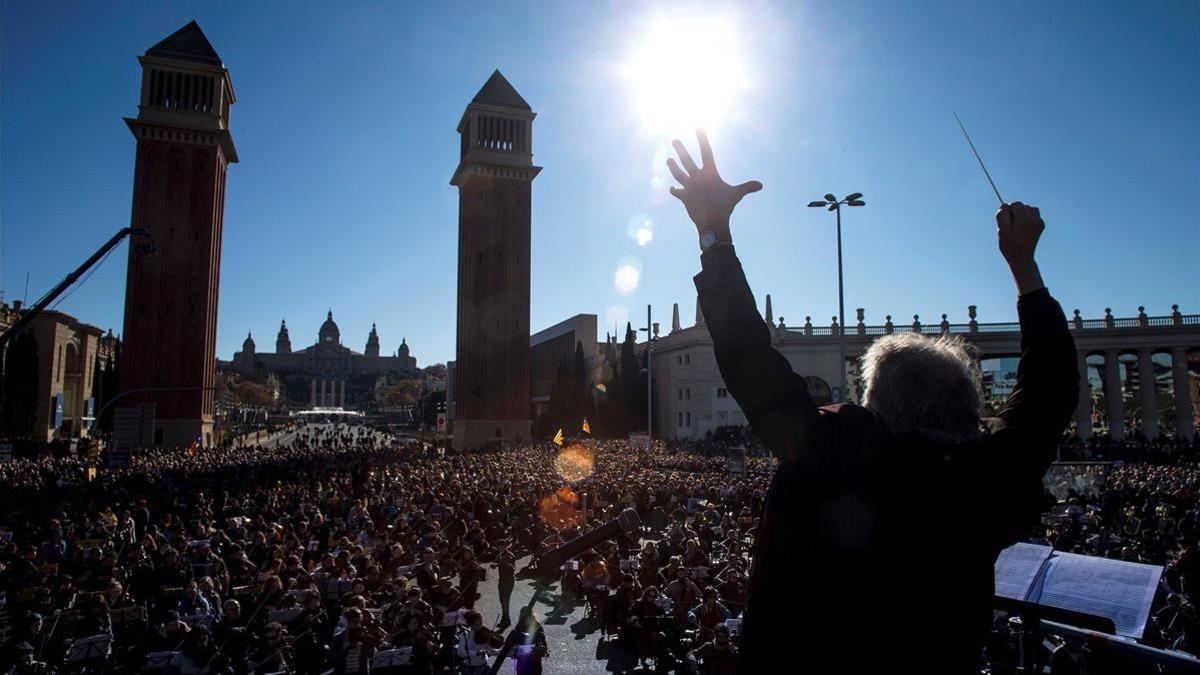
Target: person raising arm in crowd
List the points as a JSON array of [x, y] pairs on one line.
[[860, 489]]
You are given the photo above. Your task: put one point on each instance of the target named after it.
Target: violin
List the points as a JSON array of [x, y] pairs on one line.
[[490, 637], [429, 639], [371, 633]]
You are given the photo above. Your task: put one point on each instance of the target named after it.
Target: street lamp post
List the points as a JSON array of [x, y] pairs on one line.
[[651, 331], [834, 204]]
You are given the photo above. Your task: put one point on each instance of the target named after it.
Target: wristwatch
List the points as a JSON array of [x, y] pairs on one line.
[[708, 239]]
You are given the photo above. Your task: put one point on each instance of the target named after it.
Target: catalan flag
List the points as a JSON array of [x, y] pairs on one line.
[[558, 438], [587, 429]]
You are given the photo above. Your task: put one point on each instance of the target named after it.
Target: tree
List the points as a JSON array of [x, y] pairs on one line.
[[251, 393], [20, 387], [404, 392], [584, 403], [633, 383], [437, 370]]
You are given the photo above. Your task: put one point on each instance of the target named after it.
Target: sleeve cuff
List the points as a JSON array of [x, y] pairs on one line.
[[714, 265], [1034, 295]]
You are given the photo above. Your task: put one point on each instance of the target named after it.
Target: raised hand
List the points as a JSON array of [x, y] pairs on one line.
[[1018, 229], [709, 200]]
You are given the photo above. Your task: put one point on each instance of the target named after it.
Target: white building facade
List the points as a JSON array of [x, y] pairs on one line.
[[691, 399]]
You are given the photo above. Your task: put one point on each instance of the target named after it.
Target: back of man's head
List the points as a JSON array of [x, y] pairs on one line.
[[925, 386]]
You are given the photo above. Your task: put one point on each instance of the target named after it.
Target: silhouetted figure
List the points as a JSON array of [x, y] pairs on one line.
[[839, 571]]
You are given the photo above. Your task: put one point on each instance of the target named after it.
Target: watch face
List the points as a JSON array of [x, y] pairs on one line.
[[708, 239]]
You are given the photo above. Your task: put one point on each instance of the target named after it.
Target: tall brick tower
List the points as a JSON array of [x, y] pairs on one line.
[[183, 149], [495, 181]]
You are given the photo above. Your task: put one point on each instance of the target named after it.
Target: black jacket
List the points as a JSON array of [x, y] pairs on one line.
[[877, 550]]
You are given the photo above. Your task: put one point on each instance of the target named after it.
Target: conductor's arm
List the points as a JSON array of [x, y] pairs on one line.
[[774, 398], [1047, 387]]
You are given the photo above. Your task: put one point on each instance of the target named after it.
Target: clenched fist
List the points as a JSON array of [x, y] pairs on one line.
[[1018, 228]]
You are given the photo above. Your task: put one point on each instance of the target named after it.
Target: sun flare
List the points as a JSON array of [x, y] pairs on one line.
[[686, 74]]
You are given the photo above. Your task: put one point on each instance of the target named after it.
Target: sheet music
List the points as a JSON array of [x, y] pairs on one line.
[[1017, 567], [1119, 590]]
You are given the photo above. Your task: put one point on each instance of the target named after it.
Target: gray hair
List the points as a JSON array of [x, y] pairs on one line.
[[925, 386]]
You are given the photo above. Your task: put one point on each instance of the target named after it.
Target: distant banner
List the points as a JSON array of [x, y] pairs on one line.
[[641, 440]]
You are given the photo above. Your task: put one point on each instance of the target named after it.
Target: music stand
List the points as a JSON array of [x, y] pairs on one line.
[[284, 616], [392, 658], [127, 616], [337, 588], [159, 660], [88, 649], [453, 618]]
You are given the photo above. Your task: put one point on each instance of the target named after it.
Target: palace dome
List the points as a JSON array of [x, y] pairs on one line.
[[329, 331]]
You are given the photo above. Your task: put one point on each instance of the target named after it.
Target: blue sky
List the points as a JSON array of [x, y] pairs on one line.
[[345, 126]]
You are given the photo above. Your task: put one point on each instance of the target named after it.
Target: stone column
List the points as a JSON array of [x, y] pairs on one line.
[[312, 399], [324, 392], [1112, 392], [1146, 393], [342, 392], [1083, 409], [1182, 386]]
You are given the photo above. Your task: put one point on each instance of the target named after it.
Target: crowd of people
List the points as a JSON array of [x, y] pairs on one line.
[[1133, 448], [335, 548]]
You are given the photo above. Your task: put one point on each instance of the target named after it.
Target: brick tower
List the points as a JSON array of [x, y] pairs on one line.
[[495, 181], [183, 149]]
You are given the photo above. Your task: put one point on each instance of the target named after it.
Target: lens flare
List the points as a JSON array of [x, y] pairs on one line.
[[645, 236], [560, 509], [628, 275], [641, 229], [575, 463]]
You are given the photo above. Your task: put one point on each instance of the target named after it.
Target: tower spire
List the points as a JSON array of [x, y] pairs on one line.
[[372, 342], [184, 149], [495, 177]]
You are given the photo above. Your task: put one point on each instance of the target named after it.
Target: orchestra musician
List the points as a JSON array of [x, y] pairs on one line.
[[274, 652], [349, 650], [475, 644], [527, 643], [708, 615], [470, 573], [717, 656], [506, 564], [422, 638], [644, 619]]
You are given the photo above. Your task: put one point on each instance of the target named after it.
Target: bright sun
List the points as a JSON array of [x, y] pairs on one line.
[[686, 74]]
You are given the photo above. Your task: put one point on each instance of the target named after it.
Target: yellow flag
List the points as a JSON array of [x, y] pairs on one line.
[[586, 428], [558, 438]]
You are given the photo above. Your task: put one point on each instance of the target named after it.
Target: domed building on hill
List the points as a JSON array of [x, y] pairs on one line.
[[326, 374]]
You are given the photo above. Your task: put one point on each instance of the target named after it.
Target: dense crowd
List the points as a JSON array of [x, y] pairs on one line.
[[1133, 448], [335, 546], [340, 549]]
